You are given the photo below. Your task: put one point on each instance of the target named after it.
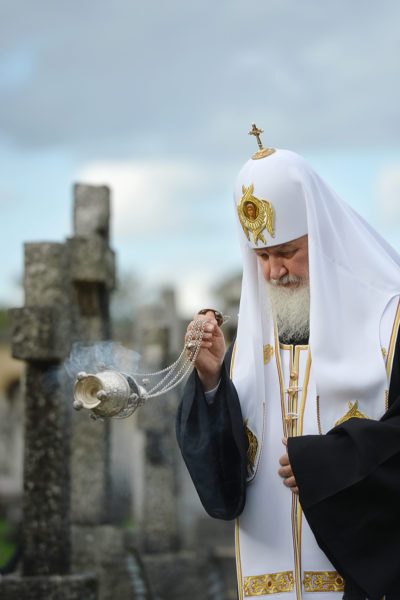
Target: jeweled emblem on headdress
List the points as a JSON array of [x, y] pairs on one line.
[[255, 215]]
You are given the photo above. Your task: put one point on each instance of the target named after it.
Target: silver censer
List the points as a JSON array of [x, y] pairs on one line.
[[112, 394], [108, 393]]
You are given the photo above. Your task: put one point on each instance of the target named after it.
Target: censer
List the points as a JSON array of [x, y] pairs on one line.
[[112, 393]]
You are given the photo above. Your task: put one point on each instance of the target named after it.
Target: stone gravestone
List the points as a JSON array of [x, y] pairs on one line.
[[67, 523], [67, 289], [95, 540], [40, 337], [175, 571]]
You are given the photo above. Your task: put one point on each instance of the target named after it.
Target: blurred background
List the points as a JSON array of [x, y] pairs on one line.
[[155, 100]]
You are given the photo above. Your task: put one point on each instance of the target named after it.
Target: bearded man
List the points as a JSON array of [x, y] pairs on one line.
[[309, 396]]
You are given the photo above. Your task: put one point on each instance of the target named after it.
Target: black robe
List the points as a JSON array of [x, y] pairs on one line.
[[349, 479]]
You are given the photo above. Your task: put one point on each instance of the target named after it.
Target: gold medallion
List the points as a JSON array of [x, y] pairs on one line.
[[255, 215]]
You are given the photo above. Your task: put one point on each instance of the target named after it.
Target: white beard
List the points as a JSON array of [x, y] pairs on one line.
[[291, 308]]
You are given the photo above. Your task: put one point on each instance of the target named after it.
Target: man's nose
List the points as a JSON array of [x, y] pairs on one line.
[[277, 268]]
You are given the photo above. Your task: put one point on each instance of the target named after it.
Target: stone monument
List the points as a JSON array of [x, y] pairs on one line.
[[70, 549], [40, 337]]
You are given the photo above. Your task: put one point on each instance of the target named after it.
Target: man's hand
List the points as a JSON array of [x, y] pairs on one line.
[[212, 351], [286, 471]]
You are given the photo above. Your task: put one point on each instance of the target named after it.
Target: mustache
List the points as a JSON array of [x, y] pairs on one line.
[[287, 279]]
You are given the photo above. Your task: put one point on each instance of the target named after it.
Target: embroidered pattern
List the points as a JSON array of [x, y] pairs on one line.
[[268, 352], [252, 447], [323, 581], [273, 583], [352, 413]]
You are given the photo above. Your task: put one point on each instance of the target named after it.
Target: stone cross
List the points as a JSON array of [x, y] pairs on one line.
[[92, 274], [40, 337]]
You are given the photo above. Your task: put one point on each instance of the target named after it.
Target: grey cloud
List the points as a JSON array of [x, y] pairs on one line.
[[186, 77]]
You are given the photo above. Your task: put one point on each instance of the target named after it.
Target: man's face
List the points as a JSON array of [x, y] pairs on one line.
[[284, 262]]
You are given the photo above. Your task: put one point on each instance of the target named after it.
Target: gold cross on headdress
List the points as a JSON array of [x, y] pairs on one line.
[[257, 132], [262, 152]]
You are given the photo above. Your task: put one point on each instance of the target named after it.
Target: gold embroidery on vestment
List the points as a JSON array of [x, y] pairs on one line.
[[323, 581], [352, 413], [252, 447], [238, 561], [268, 352], [273, 583], [293, 426], [392, 343]]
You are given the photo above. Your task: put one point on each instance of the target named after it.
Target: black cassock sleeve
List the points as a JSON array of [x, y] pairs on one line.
[[349, 489], [213, 445]]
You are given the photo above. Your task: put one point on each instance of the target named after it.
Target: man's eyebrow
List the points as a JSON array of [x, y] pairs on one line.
[[288, 247]]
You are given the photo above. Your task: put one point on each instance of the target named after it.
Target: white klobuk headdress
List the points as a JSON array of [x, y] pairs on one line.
[[354, 277]]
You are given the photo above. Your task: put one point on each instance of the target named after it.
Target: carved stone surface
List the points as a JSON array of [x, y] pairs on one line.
[[118, 572], [159, 528], [55, 587], [40, 337], [91, 210], [45, 274], [92, 272], [39, 333], [90, 470], [46, 541], [179, 576], [91, 260]]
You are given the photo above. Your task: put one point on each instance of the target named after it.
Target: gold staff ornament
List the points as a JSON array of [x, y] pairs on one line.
[[262, 152], [255, 215]]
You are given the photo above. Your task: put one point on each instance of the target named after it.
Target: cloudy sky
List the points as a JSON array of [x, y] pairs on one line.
[[155, 99]]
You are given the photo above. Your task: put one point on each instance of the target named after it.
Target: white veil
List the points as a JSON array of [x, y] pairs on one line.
[[354, 275]]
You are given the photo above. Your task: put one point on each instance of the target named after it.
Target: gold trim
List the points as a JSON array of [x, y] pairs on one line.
[[352, 413], [232, 365], [293, 424], [280, 377], [268, 352], [299, 431], [318, 416], [392, 343], [272, 583], [323, 581], [293, 403], [238, 561], [306, 381]]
